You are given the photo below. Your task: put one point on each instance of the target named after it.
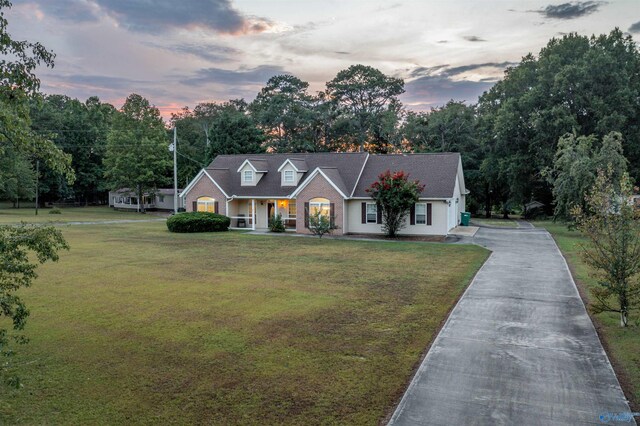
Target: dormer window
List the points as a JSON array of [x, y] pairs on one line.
[[248, 176], [289, 176]]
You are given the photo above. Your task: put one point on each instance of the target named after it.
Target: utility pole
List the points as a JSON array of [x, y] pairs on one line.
[[175, 170], [37, 183]]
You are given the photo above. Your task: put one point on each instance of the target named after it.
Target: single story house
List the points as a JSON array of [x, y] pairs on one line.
[[251, 189], [160, 199]]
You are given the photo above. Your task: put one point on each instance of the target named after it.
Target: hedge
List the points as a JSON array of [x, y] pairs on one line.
[[198, 222]]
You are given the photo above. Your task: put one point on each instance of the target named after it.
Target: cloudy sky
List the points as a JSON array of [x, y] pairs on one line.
[[179, 53]]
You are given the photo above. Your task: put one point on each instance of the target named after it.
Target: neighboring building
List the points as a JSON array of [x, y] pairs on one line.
[[252, 188], [160, 199]]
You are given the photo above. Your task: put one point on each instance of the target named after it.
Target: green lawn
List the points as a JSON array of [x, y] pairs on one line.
[[70, 214], [495, 222], [135, 325], [623, 345]]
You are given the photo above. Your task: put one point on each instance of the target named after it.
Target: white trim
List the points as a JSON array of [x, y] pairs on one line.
[[197, 179], [293, 176], [216, 184], [419, 199], [315, 173], [360, 175], [344, 216], [253, 214], [260, 197], [415, 214], [292, 165], [366, 213], [243, 164], [250, 165], [192, 183]]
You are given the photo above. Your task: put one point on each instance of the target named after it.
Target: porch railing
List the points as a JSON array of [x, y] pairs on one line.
[[242, 222]]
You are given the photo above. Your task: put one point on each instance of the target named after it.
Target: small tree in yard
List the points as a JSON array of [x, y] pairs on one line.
[[320, 224], [276, 224], [394, 194], [610, 222], [17, 246]]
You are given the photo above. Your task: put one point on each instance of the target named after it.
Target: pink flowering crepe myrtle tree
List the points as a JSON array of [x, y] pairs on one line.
[[395, 194]]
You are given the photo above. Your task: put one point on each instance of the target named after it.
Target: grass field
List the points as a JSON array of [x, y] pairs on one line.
[[135, 325], [71, 214], [623, 345], [510, 223]]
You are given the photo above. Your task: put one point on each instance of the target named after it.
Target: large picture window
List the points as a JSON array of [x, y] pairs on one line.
[[421, 213], [372, 213], [321, 205], [206, 204]]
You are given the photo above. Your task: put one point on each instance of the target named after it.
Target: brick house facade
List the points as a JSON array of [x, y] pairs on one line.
[[319, 187], [252, 189]]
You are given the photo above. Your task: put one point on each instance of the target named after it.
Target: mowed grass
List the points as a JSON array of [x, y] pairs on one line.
[[135, 325], [623, 344], [70, 214]]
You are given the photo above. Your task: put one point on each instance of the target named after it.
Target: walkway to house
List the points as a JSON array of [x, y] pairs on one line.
[[519, 348]]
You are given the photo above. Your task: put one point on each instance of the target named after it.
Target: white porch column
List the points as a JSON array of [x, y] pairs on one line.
[[253, 214]]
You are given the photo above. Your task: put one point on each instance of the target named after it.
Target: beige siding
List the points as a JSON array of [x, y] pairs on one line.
[[296, 176], [205, 188], [319, 187], [438, 220]]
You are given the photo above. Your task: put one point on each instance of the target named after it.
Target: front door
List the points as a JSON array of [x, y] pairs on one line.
[[271, 210]]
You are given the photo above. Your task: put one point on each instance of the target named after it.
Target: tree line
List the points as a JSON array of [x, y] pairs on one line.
[[509, 139]]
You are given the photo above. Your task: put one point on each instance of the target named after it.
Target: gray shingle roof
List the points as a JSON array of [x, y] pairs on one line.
[[436, 171], [223, 170], [299, 164]]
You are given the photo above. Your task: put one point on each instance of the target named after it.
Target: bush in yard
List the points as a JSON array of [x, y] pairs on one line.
[[611, 223], [198, 222], [276, 224], [55, 211], [320, 224], [395, 194]]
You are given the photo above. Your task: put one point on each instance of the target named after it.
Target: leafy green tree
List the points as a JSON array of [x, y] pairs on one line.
[[79, 129], [610, 222], [286, 113], [394, 193], [234, 131], [576, 84], [450, 128], [17, 246], [137, 154], [368, 106], [192, 144], [18, 182], [17, 84], [575, 167]]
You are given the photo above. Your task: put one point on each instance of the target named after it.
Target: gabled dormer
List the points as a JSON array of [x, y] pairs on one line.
[[251, 171], [291, 171]]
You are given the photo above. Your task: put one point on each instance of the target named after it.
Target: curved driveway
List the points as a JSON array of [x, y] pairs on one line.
[[518, 349]]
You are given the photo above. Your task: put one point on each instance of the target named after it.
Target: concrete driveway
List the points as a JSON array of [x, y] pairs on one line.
[[518, 349]]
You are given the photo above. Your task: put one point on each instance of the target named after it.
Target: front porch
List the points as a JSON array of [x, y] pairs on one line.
[[256, 213]]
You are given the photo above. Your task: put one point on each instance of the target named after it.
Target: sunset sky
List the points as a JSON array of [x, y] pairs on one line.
[[179, 53]]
